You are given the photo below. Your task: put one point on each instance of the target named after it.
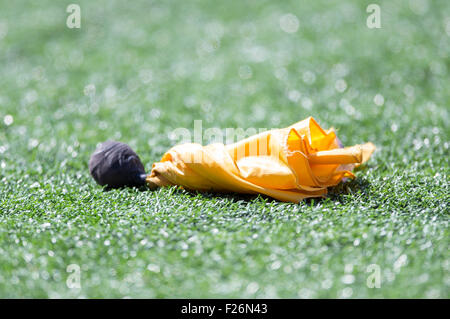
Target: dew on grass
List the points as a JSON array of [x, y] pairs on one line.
[[256, 54], [8, 120], [281, 73], [252, 288], [327, 284], [348, 279], [30, 97], [394, 127], [378, 99], [305, 293], [33, 143], [89, 90], [289, 23], [340, 85], [294, 95], [309, 77], [346, 293], [307, 103], [275, 265]]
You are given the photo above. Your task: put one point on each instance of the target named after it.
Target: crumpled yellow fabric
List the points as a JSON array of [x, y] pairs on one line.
[[289, 164]]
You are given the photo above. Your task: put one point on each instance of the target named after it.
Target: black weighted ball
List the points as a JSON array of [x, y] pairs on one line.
[[115, 165]]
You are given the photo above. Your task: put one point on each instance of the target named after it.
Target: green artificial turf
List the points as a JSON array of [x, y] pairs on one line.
[[137, 70]]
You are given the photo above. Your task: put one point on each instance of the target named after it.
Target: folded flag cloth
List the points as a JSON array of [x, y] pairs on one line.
[[289, 164]]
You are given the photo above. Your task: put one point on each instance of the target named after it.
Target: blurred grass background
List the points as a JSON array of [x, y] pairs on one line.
[[137, 70]]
